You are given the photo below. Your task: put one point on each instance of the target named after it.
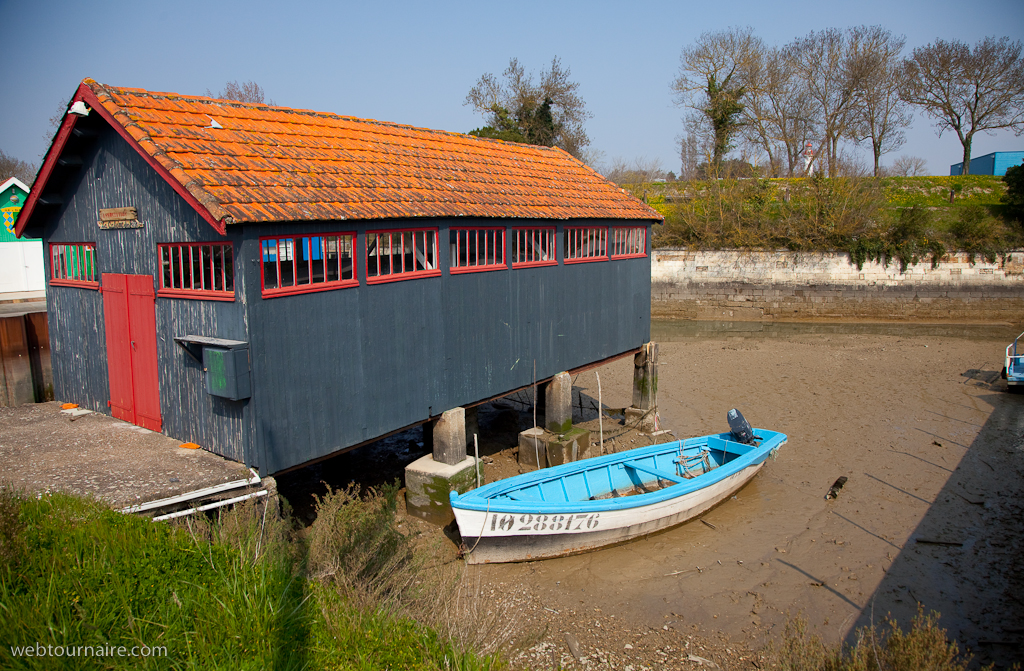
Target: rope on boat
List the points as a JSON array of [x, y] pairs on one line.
[[483, 527], [700, 459]]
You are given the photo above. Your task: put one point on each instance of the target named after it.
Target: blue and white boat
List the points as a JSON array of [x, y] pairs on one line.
[[592, 503], [1013, 366]]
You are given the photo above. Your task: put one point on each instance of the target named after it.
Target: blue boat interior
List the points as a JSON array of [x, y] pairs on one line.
[[680, 462], [1015, 361]]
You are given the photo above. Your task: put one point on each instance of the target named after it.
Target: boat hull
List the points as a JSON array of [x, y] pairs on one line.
[[593, 503], [609, 527]]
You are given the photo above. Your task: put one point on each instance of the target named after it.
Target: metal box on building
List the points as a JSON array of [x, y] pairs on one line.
[[227, 372]]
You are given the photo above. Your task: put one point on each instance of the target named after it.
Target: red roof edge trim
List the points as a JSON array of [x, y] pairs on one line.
[[90, 98], [56, 147]]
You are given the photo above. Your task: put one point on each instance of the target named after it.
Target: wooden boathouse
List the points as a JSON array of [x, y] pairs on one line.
[[278, 285]]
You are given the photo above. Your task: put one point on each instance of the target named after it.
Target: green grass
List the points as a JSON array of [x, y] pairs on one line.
[[227, 593]]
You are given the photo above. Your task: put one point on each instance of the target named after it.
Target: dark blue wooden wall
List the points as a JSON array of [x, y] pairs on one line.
[[114, 175], [335, 368]]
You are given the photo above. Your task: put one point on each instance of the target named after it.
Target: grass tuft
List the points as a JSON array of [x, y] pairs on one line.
[[887, 647]]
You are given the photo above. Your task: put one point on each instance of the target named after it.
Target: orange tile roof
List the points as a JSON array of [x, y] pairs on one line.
[[259, 163]]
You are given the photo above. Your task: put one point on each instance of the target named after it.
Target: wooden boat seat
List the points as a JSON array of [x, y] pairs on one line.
[[664, 475]]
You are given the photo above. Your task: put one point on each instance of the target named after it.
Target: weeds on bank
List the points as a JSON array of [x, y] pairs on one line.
[[237, 590], [908, 220], [878, 648]]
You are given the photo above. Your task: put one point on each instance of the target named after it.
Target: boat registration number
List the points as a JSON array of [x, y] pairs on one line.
[[528, 522]]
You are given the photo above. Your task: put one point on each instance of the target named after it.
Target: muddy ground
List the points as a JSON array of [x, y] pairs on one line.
[[932, 446], [919, 422]]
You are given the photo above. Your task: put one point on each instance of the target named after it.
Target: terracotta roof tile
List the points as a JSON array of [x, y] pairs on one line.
[[278, 164]]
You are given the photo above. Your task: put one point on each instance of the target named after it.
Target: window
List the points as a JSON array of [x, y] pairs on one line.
[[533, 247], [629, 242], [476, 249], [298, 265], [401, 255], [73, 264], [197, 270], [585, 244]]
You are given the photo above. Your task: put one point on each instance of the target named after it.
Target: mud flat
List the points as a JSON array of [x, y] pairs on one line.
[[932, 446]]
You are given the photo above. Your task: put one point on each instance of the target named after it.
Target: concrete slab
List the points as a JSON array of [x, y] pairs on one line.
[[87, 453]]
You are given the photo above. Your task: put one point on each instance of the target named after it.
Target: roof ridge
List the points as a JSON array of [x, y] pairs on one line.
[[169, 95]]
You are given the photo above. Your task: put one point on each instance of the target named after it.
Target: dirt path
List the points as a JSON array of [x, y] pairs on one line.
[[932, 448]]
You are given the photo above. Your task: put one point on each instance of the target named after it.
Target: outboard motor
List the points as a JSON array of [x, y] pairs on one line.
[[740, 427]]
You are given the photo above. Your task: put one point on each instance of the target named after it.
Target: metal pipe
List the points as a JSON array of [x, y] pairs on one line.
[[210, 506], [197, 494]]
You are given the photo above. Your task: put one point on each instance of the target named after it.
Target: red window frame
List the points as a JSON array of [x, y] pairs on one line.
[[526, 253], [209, 274], [585, 244], [403, 244], [626, 240], [313, 251], [82, 271], [476, 249]]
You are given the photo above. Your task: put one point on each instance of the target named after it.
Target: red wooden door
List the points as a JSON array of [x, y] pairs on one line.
[[129, 313]]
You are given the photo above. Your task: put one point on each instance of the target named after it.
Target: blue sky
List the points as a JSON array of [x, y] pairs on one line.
[[414, 62]]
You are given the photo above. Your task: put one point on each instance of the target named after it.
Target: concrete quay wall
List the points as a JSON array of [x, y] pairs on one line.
[[769, 286]]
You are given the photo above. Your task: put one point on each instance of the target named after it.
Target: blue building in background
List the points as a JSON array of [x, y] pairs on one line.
[[995, 163]]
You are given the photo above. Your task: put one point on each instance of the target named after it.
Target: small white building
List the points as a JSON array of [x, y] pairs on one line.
[[21, 259]]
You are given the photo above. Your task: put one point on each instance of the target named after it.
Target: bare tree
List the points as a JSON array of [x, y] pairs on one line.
[[641, 170], [908, 166], [969, 91], [549, 112], [779, 117], [690, 156], [15, 167], [713, 80], [833, 80], [880, 114], [246, 92]]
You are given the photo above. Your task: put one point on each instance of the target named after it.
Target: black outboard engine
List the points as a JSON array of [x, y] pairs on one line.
[[740, 427]]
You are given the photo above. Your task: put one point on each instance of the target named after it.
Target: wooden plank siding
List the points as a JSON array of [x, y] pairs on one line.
[[330, 369], [114, 175], [333, 369]]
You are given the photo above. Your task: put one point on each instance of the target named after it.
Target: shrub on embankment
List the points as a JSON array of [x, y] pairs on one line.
[[238, 591], [909, 219]]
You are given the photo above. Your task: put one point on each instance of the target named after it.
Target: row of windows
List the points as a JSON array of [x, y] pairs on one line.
[[301, 264]]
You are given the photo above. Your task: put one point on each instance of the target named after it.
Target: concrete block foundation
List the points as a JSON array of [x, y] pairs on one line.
[[570, 446], [428, 483], [645, 421], [533, 449], [552, 449]]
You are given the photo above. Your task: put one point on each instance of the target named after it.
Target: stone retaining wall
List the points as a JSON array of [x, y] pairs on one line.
[[756, 286]]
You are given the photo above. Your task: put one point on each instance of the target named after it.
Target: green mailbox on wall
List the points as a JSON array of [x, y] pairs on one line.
[[227, 372], [225, 364]]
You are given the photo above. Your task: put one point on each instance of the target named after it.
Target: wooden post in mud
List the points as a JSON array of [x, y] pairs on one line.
[[644, 412]]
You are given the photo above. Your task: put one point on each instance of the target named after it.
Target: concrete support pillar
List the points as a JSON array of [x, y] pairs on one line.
[[450, 437], [644, 412], [558, 404]]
